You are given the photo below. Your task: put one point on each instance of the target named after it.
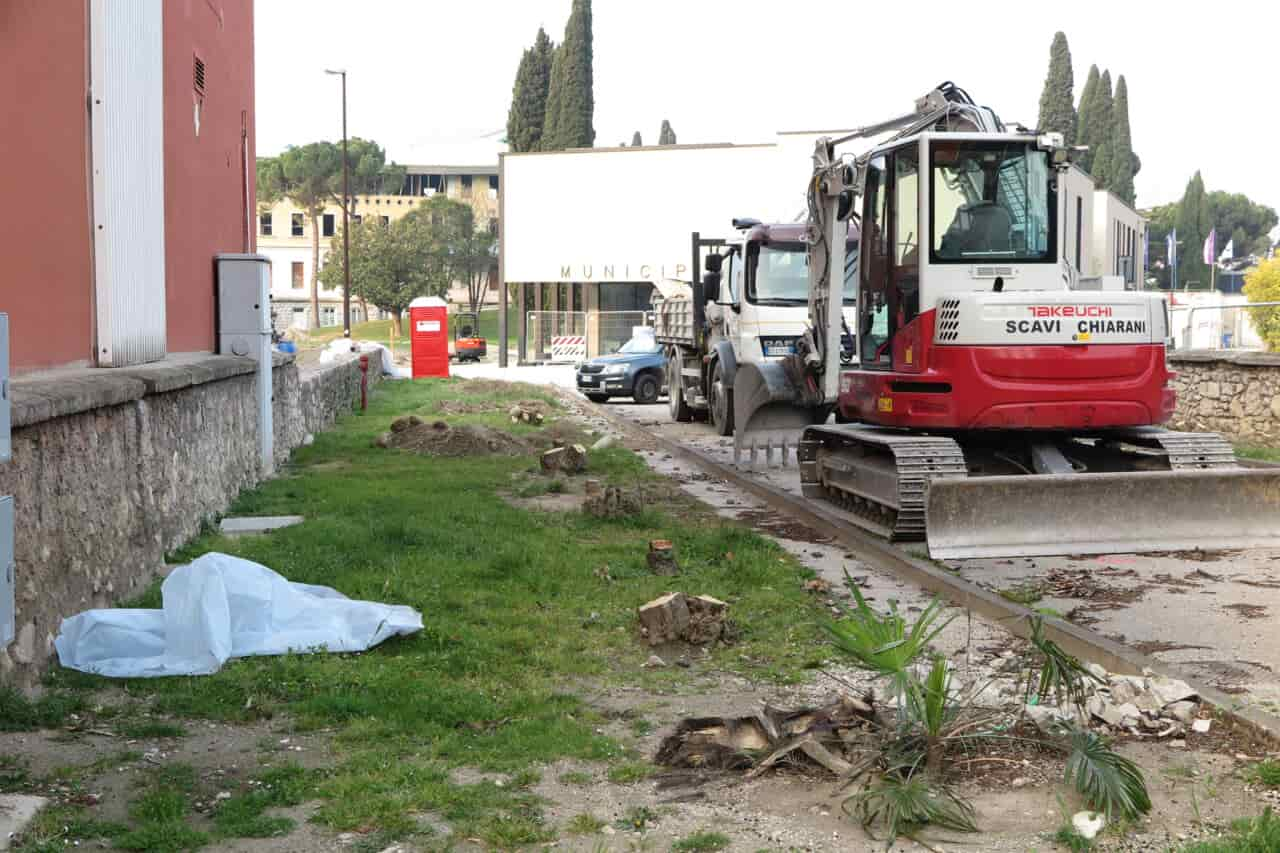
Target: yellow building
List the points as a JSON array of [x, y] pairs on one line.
[[285, 236]]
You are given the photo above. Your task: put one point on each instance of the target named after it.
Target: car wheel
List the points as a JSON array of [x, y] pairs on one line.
[[647, 388], [598, 398], [721, 402], [681, 411]]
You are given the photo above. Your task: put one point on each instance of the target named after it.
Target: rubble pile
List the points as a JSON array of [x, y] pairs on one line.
[[440, 439], [1146, 705]]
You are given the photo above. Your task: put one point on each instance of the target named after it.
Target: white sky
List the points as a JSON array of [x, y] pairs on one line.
[[431, 79]]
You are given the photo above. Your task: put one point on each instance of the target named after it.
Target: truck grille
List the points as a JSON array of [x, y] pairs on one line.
[[948, 320]]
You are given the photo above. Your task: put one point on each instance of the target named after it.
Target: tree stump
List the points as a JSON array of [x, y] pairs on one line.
[[665, 619], [662, 558]]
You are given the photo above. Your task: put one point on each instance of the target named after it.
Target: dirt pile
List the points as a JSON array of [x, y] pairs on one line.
[[440, 439]]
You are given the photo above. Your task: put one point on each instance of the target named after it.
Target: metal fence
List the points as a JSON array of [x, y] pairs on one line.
[[1216, 327], [614, 328], [557, 336], [566, 337]]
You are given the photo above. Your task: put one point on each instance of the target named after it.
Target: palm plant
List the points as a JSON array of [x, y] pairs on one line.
[[1109, 782]]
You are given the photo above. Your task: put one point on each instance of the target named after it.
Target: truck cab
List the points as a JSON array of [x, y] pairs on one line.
[[755, 295]]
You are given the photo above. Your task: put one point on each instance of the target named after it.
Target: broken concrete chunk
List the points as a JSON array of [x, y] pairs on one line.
[[665, 619], [1097, 671], [604, 443], [1183, 712], [662, 557], [1166, 691], [1125, 688], [1201, 726], [1046, 717]]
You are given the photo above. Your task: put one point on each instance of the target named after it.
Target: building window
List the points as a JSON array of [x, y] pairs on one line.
[[493, 186], [295, 224], [296, 269], [328, 315], [384, 220], [264, 224], [435, 184], [327, 225], [356, 219], [466, 186]]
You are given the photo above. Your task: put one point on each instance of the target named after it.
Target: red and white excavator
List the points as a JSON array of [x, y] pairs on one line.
[[990, 406]]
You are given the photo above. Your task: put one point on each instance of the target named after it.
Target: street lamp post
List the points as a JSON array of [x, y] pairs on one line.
[[346, 201]]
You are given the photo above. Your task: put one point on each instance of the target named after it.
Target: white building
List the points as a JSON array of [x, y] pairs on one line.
[[586, 233]]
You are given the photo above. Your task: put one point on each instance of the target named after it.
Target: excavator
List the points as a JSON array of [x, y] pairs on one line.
[[989, 406]]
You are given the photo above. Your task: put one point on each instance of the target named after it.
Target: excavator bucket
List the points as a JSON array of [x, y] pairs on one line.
[[767, 418], [1132, 512]]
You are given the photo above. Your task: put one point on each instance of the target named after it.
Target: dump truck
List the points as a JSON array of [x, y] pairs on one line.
[[750, 306]]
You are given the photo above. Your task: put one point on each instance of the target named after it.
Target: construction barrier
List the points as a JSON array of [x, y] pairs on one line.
[[552, 336]]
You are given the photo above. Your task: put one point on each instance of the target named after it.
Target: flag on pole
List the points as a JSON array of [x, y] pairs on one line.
[[1209, 243], [1228, 252], [1171, 247]]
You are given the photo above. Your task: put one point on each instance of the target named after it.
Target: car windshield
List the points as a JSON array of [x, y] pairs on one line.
[[990, 202], [781, 274], [639, 345]]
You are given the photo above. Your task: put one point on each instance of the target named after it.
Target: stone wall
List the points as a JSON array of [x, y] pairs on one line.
[[112, 469], [1237, 394]]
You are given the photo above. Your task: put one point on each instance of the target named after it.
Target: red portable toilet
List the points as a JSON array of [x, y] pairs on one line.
[[429, 336]]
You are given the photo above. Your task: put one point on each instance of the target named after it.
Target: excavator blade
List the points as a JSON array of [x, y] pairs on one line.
[[766, 415], [1132, 512]]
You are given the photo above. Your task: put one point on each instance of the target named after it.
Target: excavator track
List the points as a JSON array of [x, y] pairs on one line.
[[1185, 450], [879, 476]]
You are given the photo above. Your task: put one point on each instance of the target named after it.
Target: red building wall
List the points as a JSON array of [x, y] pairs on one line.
[[46, 260], [204, 181]]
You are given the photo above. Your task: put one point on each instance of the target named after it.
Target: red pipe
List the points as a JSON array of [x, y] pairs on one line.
[[364, 382]]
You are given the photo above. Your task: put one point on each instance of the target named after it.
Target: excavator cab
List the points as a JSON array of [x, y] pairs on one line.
[[468, 343]]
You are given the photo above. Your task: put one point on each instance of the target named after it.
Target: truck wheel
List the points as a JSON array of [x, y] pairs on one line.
[[721, 402], [598, 398], [647, 388], [680, 410]]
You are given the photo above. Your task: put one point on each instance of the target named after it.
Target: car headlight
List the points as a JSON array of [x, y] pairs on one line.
[[615, 370]]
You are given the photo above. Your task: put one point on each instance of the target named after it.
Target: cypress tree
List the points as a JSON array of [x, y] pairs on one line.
[[1193, 224], [666, 136], [575, 127], [635, 140], [1103, 130], [1057, 104], [1120, 173], [551, 136], [1087, 118], [529, 96]]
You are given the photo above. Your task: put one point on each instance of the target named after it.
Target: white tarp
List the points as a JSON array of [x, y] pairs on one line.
[[340, 349], [219, 607]]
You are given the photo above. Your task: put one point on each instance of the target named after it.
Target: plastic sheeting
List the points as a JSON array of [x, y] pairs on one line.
[[219, 607], [339, 349]]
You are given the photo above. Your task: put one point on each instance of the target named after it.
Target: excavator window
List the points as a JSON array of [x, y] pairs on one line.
[[991, 202], [890, 278]]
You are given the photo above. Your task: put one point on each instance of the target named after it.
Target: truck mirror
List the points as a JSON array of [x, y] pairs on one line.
[[712, 263], [711, 286]]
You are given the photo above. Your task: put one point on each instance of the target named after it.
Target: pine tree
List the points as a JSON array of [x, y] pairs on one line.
[[635, 140], [1193, 224], [529, 96], [1057, 104], [1087, 118], [575, 127], [666, 136], [1120, 172], [551, 136]]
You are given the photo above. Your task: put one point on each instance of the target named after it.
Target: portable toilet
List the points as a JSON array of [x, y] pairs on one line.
[[429, 336]]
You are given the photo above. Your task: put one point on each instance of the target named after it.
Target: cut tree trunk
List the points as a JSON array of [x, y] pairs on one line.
[[665, 619]]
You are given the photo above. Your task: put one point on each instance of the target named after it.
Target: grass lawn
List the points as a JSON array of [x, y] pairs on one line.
[[525, 612], [380, 331], [1267, 454]]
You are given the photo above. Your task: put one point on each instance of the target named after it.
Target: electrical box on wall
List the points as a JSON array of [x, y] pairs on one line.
[[6, 446], [244, 303], [6, 571]]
